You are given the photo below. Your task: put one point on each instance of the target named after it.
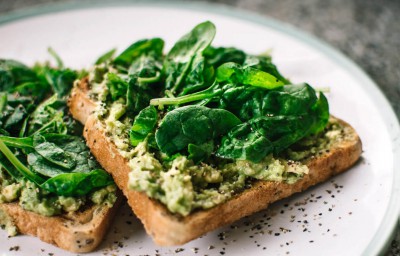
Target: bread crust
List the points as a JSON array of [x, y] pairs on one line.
[[170, 229], [77, 232]]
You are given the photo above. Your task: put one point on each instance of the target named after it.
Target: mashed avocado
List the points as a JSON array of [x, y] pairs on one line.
[[184, 186], [30, 197]]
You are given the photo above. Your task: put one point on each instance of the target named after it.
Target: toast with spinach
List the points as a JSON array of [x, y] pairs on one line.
[[51, 187], [202, 136]]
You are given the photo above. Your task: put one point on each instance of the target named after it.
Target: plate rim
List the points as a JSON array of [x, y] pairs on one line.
[[382, 238]]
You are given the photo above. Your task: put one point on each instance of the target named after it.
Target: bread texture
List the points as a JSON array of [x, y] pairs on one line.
[[78, 232], [170, 229]]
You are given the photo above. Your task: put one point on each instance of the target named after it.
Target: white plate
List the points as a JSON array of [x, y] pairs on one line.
[[352, 214]]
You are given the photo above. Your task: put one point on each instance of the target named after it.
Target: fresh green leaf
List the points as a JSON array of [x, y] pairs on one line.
[[23, 169], [77, 184], [137, 96], [48, 117], [53, 153], [61, 81], [179, 60], [234, 73], [217, 56], [192, 125], [264, 63], [13, 73], [142, 47], [200, 152], [143, 124], [243, 142], [105, 57]]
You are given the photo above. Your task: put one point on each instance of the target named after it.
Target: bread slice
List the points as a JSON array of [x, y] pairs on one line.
[[170, 229], [78, 232]]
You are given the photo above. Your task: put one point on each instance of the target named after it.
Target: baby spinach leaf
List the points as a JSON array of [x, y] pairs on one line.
[[105, 57], [61, 80], [48, 117], [13, 73], [143, 124], [321, 111], [77, 184], [229, 76], [200, 152], [43, 166], [217, 56], [53, 153], [137, 49], [15, 119], [50, 175], [117, 85], [245, 143], [22, 168], [179, 60], [9, 167], [200, 76], [234, 73], [250, 102], [192, 125], [137, 96], [264, 63]]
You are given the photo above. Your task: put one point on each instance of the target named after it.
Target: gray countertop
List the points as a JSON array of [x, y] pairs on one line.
[[367, 31]]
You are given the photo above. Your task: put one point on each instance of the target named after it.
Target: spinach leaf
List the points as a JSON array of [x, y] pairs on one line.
[[215, 57], [250, 102], [244, 142], [192, 125], [15, 119], [61, 81], [263, 135], [9, 167], [264, 63], [117, 85], [178, 64], [105, 57], [144, 60], [13, 73], [152, 46], [48, 117], [53, 153], [137, 97], [236, 74], [143, 124], [71, 148], [22, 168], [46, 166], [200, 152], [229, 76], [77, 184]]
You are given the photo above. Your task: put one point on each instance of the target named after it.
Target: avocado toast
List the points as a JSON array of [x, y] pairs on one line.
[[51, 186], [193, 136]]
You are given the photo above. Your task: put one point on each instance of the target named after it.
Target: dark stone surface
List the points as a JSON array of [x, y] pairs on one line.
[[367, 31]]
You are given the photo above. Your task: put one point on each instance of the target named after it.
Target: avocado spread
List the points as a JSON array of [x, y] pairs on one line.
[[32, 198]]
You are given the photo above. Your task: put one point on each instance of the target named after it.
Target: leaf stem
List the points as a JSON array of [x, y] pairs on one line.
[[20, 166]]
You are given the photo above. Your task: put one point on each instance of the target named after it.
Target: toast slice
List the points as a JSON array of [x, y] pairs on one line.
[[80, 232], [77, 232], [170, 229]]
